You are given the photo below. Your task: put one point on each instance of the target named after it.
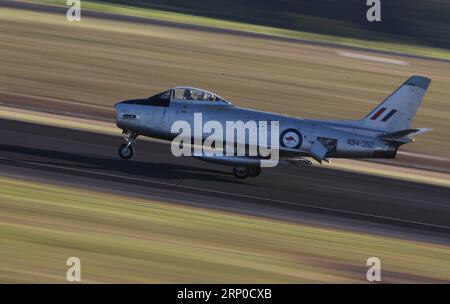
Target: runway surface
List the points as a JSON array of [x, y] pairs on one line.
[[313, 194]]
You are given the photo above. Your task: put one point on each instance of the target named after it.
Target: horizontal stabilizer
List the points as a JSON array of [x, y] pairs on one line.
[[404, 135]]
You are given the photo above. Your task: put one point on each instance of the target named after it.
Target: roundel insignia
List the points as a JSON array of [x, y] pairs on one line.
[[291, 139]]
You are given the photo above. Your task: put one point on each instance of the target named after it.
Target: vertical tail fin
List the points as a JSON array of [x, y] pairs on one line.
[[397, 111]]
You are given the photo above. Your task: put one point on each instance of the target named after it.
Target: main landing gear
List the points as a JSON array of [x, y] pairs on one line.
[[244, 172], [126, 151]]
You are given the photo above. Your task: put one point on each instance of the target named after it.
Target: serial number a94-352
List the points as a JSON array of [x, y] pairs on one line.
[[360, 143]]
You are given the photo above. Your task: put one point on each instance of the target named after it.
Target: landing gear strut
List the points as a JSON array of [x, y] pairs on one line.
[[244, 172], [126, 151]]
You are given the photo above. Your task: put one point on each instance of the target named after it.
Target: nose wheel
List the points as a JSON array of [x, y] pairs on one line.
[[126, 151]]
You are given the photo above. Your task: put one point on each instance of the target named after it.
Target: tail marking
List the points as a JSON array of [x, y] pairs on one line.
[[388, 115], [377, 114]]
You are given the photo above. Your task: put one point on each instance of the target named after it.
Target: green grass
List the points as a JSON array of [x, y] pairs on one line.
[[120, 239], [252, 28]]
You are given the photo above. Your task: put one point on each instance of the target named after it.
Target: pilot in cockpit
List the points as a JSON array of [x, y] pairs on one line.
[[209, 97], [199, 95], [187, 94]]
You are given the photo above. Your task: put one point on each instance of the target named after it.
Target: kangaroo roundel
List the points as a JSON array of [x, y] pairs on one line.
[[291, 139]]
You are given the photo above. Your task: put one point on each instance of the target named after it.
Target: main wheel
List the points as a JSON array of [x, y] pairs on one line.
[[241, 172], [255, 171], [126, 151]]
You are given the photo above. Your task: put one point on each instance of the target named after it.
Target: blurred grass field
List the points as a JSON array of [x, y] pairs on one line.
[[146, 12], [99, 62], [121, 239]]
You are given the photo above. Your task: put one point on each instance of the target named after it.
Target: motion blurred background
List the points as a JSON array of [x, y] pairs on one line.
[[419, 22], [98, 61], [309, 58]]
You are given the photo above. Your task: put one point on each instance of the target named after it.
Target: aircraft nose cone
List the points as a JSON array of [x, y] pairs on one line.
[[119, 108], [121, 105]]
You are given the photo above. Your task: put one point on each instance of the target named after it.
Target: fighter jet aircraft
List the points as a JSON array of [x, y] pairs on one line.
[[377, 135]]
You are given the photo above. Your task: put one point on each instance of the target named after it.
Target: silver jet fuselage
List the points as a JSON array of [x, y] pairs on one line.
[[156, 121], [377, 135]]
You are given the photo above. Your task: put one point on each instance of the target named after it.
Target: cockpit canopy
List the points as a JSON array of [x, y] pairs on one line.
[[193, 94], [187, 94]]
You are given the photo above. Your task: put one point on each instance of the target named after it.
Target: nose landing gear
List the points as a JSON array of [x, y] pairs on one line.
[[126, 151]]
